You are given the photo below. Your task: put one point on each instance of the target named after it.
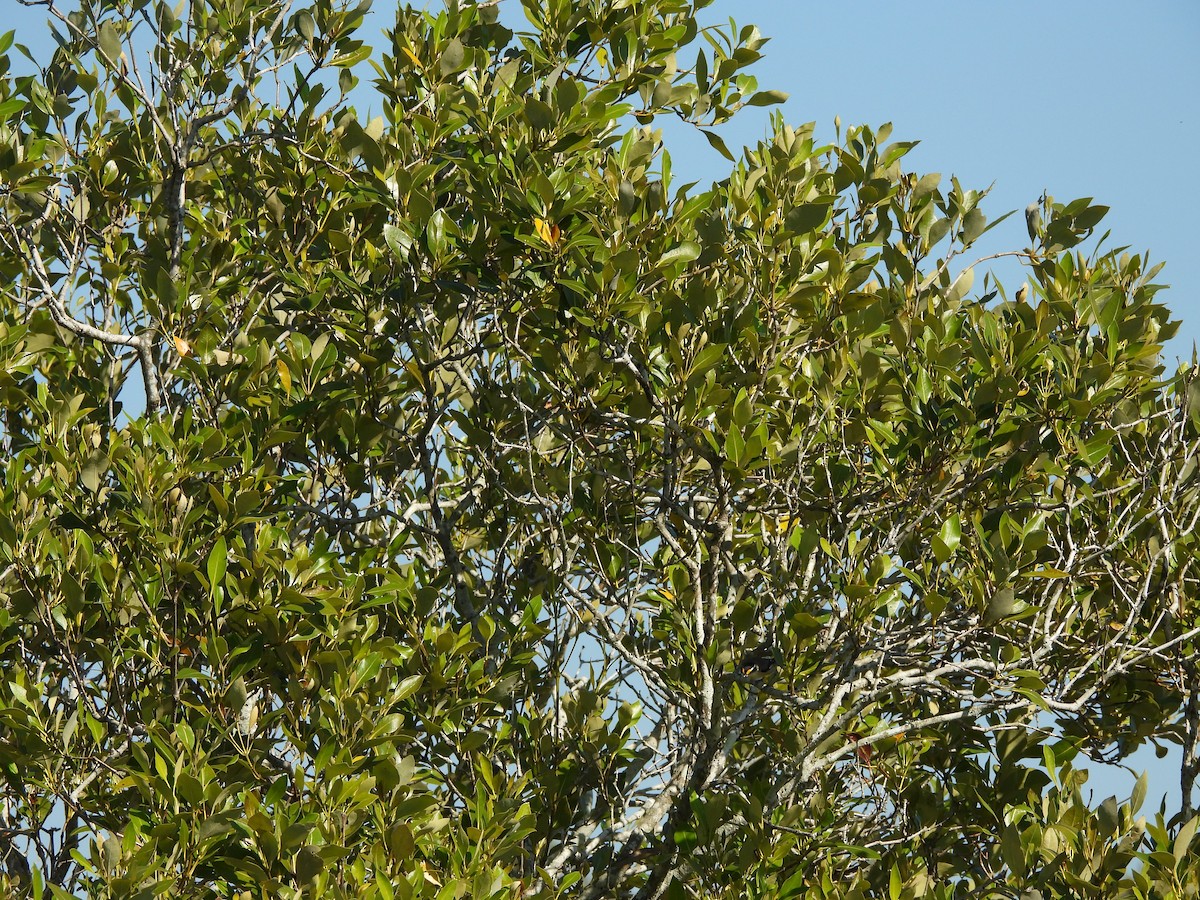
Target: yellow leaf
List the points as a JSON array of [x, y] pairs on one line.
[[182, 347], [285, 375], [412, 57], [780, 525], [548, 231], [415, 371], [542, 227], [602, 56]]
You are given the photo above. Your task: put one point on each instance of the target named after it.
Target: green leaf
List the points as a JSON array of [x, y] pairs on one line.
[[806, 626], [767, 98], [236, 694], [806, 217], [400, 841], [540, 115], [1001, 605], [1012, 850], [685, 839], [974, 224], [924, 386], [452, 57], [435, 234], [1090, 217], [796, 886], [92, 472], [408, 687], [706, 359], [190, 789], [217, 561], [1094, 451], [308, 863], [717, 143], [1108, 819], [69, 728], [926, 186], [937, 230], [109, 42], [350, 57], [684, 253], [735, 446], [399, 241], [1183, 840], [1138, 797], [305, 25], [950, 533], [960, 287]]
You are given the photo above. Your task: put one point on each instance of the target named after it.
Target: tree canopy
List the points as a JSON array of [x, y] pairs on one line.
[[450, 503]]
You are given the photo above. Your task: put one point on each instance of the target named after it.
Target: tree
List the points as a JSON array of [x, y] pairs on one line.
[[450, 504]]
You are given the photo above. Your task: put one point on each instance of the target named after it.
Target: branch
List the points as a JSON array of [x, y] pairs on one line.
[[59, 311]]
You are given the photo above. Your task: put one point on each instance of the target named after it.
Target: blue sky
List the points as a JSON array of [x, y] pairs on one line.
[[1083, 99]]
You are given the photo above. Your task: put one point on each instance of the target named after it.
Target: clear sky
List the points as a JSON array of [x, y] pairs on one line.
[[1078, 97], [1083, 98]]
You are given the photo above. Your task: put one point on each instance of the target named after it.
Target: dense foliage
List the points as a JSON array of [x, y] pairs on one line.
[[451, 504]]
